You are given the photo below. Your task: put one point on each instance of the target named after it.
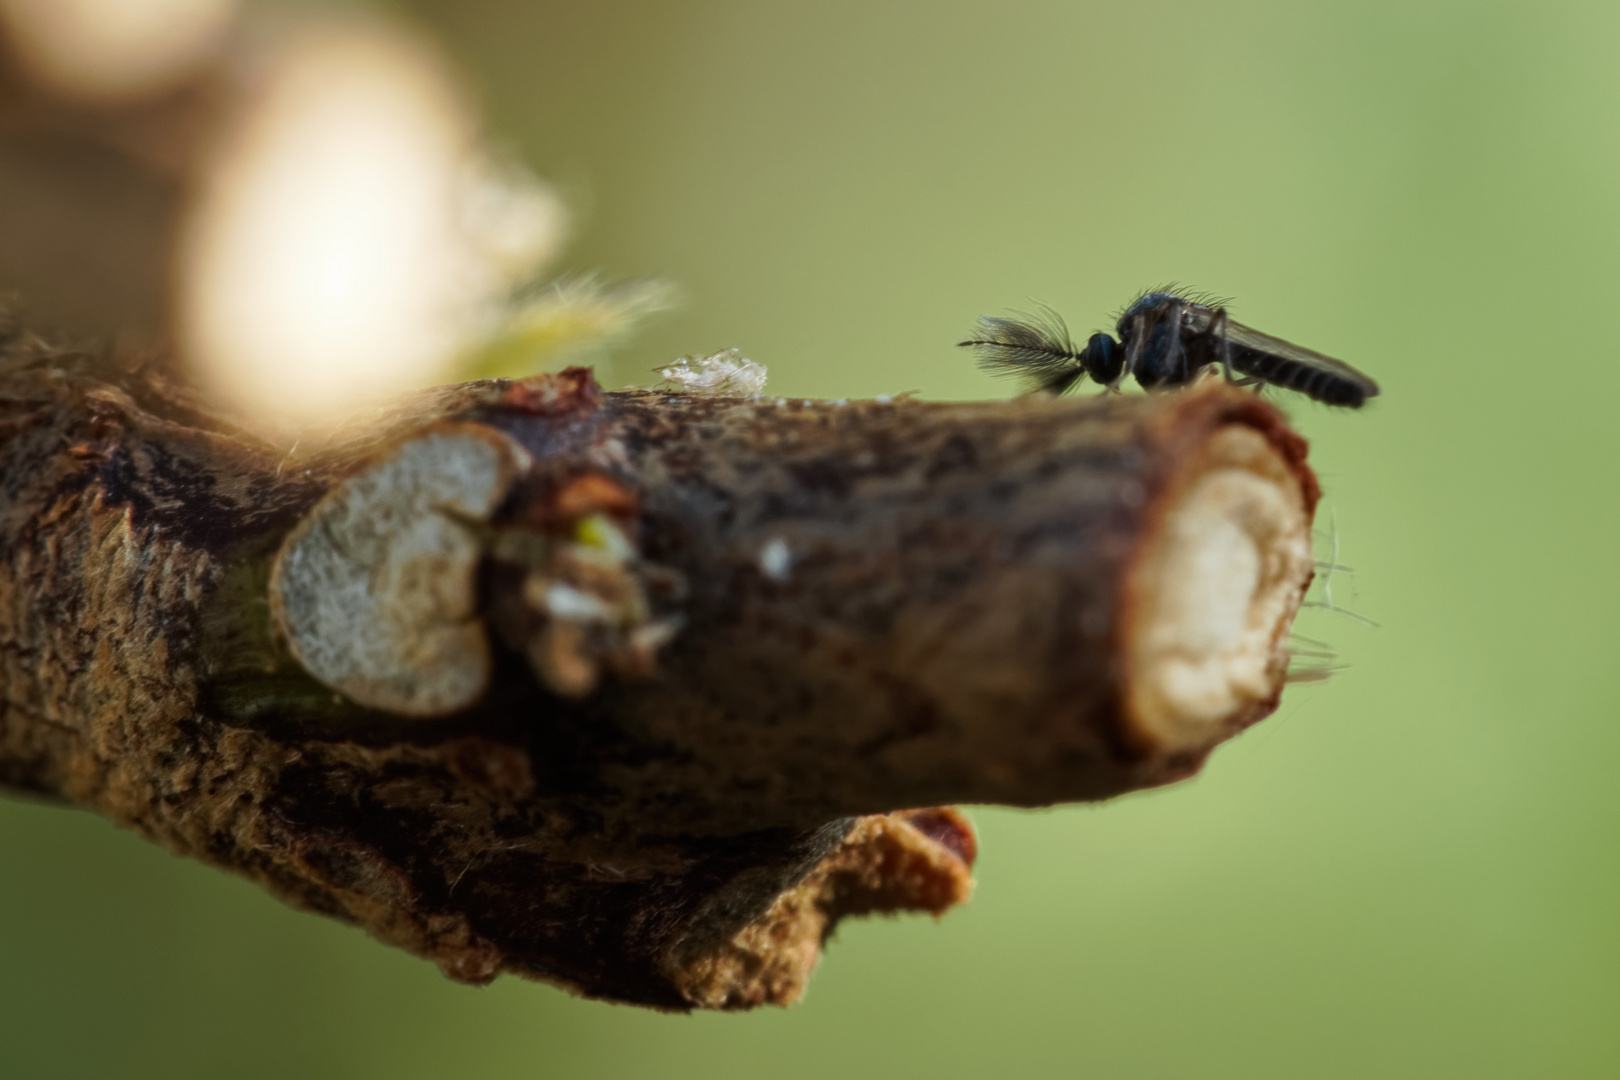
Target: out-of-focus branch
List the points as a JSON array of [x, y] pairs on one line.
[[304, 206], [624, 691]]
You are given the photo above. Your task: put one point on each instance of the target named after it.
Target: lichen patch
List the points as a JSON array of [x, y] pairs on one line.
[[375, 590]]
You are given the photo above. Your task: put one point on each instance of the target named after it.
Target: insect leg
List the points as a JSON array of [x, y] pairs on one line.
[[1175, 363], [1218, 327], [1133, 338]]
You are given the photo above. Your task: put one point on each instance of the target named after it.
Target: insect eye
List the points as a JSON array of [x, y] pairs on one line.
[[1103, 359]]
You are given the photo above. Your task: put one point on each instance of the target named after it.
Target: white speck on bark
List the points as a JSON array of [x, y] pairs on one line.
[[776, 559]]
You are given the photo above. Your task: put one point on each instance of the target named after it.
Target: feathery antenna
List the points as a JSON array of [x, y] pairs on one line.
[[1034, 346]]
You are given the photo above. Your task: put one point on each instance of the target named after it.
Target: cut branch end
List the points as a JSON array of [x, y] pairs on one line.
[[1215, 592]]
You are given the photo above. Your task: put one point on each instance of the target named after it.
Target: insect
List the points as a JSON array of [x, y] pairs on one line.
[[1166, 339]]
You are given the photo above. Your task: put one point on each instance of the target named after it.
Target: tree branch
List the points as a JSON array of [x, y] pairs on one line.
[[630, 692]]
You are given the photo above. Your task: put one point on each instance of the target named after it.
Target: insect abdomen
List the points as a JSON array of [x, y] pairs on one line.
[[1319, 384]]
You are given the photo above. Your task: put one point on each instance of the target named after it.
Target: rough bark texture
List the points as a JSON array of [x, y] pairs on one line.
[[887, 605]]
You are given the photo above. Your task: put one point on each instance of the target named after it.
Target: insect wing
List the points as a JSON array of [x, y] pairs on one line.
[[1250, 338]]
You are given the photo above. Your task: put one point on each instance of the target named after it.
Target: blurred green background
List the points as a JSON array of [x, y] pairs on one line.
[[1409, 871]]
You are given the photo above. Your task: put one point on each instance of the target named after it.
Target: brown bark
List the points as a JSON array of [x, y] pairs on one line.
[[881, 605]]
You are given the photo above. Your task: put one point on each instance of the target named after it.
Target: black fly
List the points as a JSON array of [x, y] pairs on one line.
[[1165, 339]]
